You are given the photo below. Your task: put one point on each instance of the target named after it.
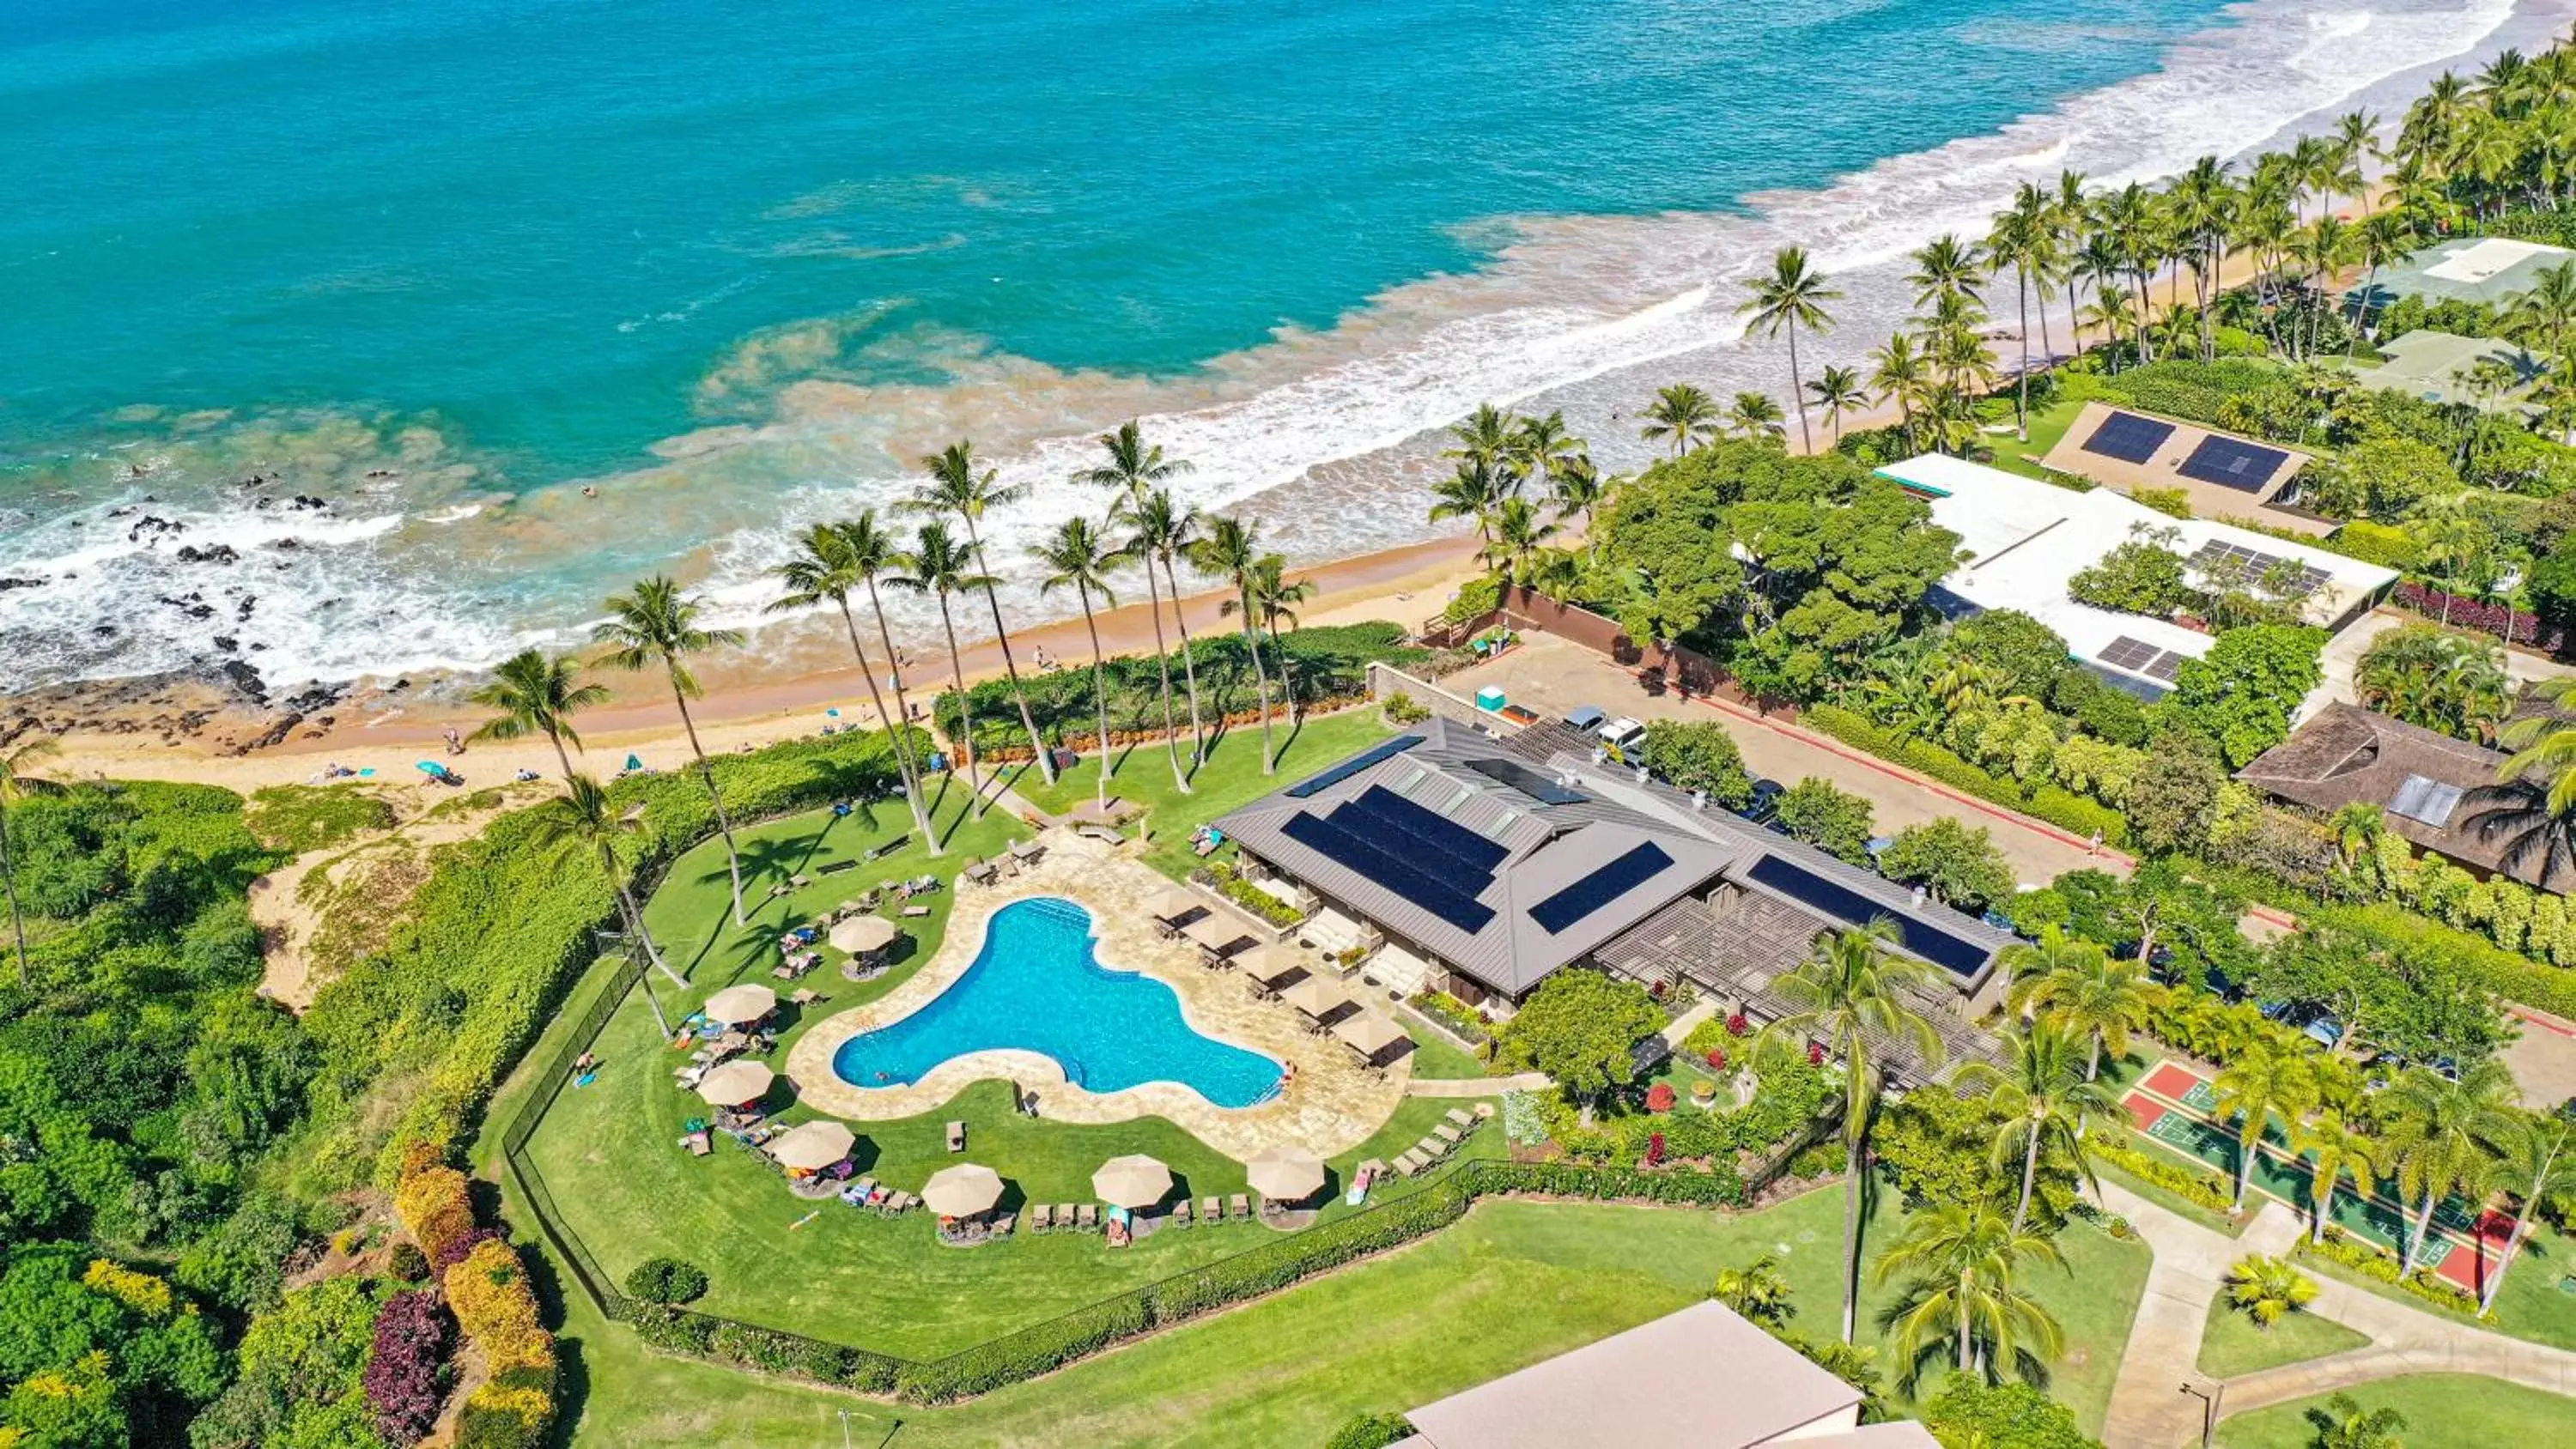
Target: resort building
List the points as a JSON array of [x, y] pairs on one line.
[[2418, 778], [2222, 475], [1480, 866], [1702, 1378], [2443, 367], [2490, 269], [2026, 539]]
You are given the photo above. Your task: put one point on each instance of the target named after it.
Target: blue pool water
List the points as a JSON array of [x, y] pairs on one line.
[[1036, 986]]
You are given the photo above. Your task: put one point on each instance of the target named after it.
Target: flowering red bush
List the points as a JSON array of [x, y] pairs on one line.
[[1717, 1059], [1736, 1025], [1815, 1054], [2466, 612], [1655, 1150], [406, 1366], [457, 1249], [1659, 1097]]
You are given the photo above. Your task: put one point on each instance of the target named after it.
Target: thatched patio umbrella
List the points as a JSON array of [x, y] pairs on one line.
[[962, 1191], [1283, 1175], [1171, 903], [1369, 1034], [1215, 933], [1270, 963], [860, 935], [740, 1005], [736, 1083], [1317, 996], [1133, 1181], [813, 1146]]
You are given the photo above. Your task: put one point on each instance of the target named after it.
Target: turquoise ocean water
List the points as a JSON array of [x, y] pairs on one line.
[[731, 262]]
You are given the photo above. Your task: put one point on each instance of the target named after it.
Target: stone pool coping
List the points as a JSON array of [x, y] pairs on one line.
[[1334, 1105]]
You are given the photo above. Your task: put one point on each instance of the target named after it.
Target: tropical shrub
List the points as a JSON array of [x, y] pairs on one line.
[[1231, 883], [2268, 1289], [1835, 821], [2340, 1247], [1700, 755], [1960, 866], [2048, 802], [2002, 1416], [2142, 576], [2198, 1187], [406, 1367], [436, 1210], [666, 1280], [302, 818], [1370, 1431]]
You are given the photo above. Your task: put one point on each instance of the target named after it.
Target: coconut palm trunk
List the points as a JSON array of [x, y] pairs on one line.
[[715, 796], [1099, 692], [9, 882], [634, 914], [965, 708], [896, 735], [1189, 665], [1010, 666], [899, 727]]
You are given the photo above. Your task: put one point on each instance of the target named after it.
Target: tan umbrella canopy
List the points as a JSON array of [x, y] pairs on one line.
[[1134, 1181], [736, 1005], [1269, 963], [1171, 903], [1215, 932], [1285, 1176], [813, 1145], [1317, 996], [1368, 1034], [861, 934], [735, 1083], [962, 1191]]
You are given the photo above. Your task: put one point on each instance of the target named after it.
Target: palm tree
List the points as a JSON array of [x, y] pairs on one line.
[[2088, 992], [537, 695], [1474, 490], [1162, 530], [826, 568], [1135, 469], [2129, 218], [938, 565], [1793, 296], [657, 624], [2338, 1151], [1232, 551], [1756, 419], [960, 486], [875, 553], [2344, 1424], [1682, 413], [1850, 992], [1758, 1291], [18, 782], [1487, 437], [1080, 558], [2269, 1289], [1278, 598], [1836, 391], [2382, 237], [2044, 1101], [2024, 240], [2437, 1135], [1521, 533], [2536, 1163], [1541, 448], [2265, 1078], [583, 818], [1965, 1263], [1575, 488], [1900, 375], [1945, 267]]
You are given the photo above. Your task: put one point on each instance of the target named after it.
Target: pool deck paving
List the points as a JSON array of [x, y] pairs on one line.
[[1332, 1105]]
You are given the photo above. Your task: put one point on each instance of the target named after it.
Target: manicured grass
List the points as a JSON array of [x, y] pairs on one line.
[[2047, 425], [1230, 779], [2443, 1411], [2531, 1304], [1433, 1055], [2232, 1345]]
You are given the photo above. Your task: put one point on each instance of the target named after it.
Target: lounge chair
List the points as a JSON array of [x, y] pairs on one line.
[[1066, 1220], [1211, 1210], [1432, 1148], [1446, 1133], [1238, 1207], [1464, 1122], [1407, 1163], [899, 1203], [1003, 1228], [1041, 1218], [916, 910], [1089, 1217], [1181, 1214], [956, 1136]]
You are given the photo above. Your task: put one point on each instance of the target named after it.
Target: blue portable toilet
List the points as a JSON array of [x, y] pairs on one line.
[[1490, 698]]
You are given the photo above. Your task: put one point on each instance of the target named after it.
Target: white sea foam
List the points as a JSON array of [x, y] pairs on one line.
[[1329, 436]]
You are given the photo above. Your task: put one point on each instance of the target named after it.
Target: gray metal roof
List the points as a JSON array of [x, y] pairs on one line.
[[1552, 846]]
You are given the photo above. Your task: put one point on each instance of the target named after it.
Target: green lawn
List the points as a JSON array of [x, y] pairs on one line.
[[2533, 1304], [2443, 1411], [1231, 778], [2232, 1345], [1433, 1054], [2047, 425]]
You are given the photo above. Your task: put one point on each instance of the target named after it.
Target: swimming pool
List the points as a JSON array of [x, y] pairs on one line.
[[1037, 986]]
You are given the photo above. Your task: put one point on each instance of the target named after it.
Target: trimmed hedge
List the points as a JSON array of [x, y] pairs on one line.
[[1025, 1354], [2058, 807], [2380, 1267], [2198, 1187]]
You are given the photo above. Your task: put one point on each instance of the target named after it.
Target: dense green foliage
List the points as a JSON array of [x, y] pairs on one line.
[[1833, 820], [2001, 1416], [300, 818], [1699, 755], [1958, 865], [1578, 1028]]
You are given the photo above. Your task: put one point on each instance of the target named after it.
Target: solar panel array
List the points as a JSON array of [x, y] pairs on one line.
[[1352, 766], [2430, 801], [2233, 464], [2137, 656], [1570, 905], [2128, 437], [2256, 566], [1849, 906], [1537, 784], [1335, 842]]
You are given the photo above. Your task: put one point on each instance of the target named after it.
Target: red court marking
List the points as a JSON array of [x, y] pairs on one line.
[[2170, 1081], [2144, 1112], [2460, 1267]]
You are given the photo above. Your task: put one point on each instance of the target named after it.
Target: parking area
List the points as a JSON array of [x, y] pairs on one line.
[[1553, 676]]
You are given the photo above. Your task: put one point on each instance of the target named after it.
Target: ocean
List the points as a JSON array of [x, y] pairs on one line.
[[536, 297]]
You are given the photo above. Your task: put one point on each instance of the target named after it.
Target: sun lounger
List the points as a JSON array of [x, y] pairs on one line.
[[697, 1144], [1446, 1133], [1181, 1214], [916, 910], [898, 1203], [1065, 1218], [1238, 1207], [1432, 1148], [1041, 1218], [956, 1136], [1407, 1163], [1464, 1122], [1003, 1228], [1088, 1216]]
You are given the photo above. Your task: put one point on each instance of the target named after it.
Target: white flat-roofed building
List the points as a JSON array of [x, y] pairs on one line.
[[2025, 539]]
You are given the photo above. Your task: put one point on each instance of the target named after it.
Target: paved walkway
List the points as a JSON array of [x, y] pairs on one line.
[[2149, 1410], [1476, 1086]]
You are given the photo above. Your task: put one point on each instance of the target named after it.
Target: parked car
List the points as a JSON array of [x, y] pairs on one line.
[[1764, 807], [1588, 718], [1626, 736]]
